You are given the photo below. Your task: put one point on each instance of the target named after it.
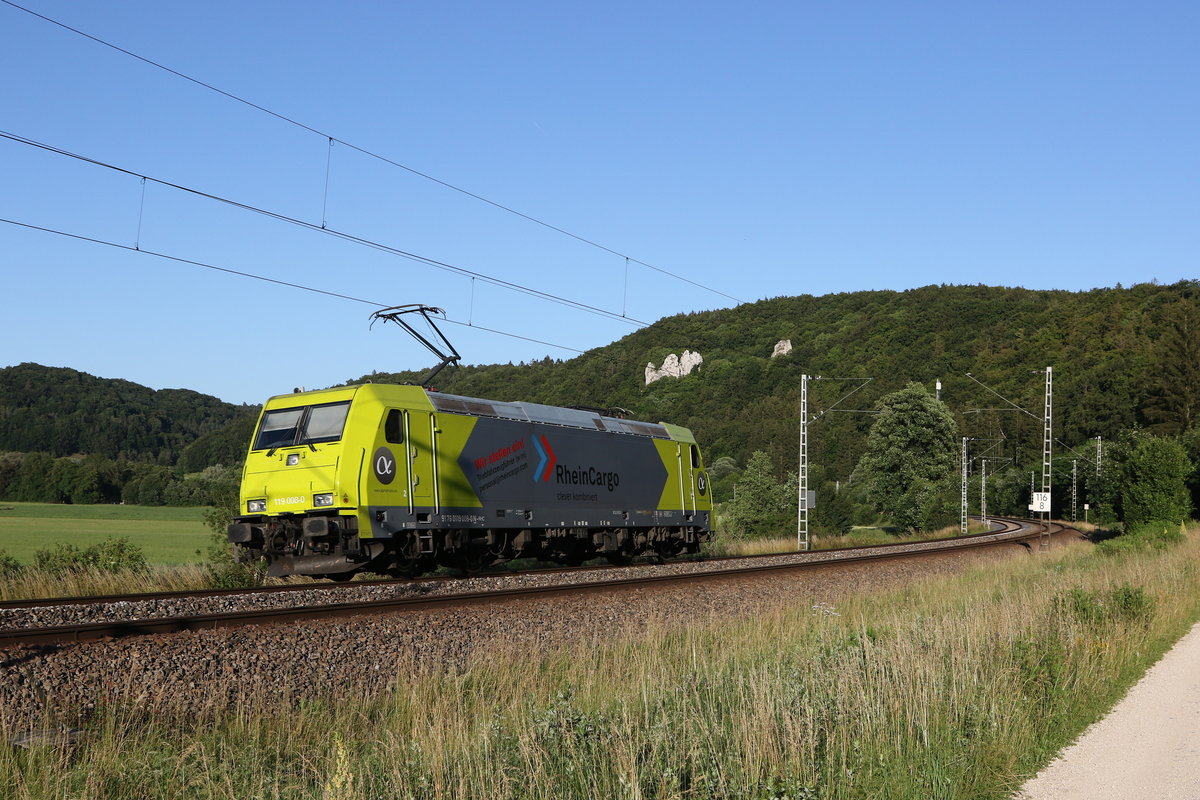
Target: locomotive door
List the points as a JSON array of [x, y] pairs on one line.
[[420, 431], [694, 475], [687, 481]]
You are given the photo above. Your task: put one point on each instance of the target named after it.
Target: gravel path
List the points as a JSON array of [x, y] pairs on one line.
[[1147, 747]]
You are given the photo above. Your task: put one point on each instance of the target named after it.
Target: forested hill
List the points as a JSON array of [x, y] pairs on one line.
[[1121, 358], [63, 412]]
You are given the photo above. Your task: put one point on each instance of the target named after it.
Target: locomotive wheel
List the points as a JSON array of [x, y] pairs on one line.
[[472, 562]]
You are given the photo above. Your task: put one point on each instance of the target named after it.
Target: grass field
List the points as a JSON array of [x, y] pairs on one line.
[[954, 687], [165, 535]]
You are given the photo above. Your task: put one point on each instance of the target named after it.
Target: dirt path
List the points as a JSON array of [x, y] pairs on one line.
[[1147, 747]]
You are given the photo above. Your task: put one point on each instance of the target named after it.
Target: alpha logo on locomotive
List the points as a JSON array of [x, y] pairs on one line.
[[385, 465]]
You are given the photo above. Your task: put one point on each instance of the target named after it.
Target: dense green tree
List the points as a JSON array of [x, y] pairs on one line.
[[762, 505], [1191, 445], [911, 452], [1104, 491], [722, 472], [1174, 404], [834, 514], [225, 445], [1154, 482], [32, 483], [64, 412], [9, 464], [153, 486], [64, 474]]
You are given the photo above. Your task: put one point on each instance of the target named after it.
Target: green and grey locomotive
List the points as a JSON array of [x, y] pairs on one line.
[[401, 479]]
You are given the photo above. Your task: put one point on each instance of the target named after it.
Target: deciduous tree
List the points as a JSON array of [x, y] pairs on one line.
[[911, 451], [761, 505], [1154, 486]]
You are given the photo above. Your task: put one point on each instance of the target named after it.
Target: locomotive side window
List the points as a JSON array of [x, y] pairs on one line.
[[393, 427], [695, 457]]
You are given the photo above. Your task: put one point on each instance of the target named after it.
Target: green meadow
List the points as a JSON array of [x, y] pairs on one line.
[[953, 687], [166, 535]]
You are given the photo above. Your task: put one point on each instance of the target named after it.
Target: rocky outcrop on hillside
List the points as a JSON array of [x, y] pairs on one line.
[[673, 366]]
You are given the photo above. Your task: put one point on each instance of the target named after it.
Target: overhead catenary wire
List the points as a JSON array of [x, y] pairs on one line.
[[855, 390], [264, 278], [1077, 454], [985, 386], [325, 229], [364, 151], [998, 443]]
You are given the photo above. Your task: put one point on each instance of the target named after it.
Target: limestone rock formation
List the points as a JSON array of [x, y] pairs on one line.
[[673, 366], [782, 348]]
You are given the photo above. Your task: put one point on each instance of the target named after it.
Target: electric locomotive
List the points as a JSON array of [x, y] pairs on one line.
[[401, 479]]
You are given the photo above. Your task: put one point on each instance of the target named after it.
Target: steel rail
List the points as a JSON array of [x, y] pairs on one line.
[[186, 594], [110, 630]]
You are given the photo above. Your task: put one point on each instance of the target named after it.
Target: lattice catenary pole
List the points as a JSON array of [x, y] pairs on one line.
[[983, 491], [1074, 485], [962, 524], [1047, 441], [802, 474]]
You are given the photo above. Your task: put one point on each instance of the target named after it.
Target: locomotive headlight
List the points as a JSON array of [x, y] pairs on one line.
[[256, 506], [323, 499]]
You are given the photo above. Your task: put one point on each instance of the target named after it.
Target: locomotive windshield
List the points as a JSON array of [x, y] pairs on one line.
[[286, 427]]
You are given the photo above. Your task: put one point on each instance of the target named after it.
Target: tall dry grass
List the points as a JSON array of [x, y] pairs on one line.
[[948, 688], [32, 582], [859, 537]]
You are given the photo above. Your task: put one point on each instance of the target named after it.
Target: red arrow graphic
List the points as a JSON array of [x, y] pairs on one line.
[[553, 459]]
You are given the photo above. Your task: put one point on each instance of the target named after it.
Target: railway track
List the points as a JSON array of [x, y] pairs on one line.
[[155, 613], [297, 588]]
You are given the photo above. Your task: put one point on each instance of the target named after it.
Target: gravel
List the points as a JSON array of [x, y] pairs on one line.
[[206, 671], [52, 616]]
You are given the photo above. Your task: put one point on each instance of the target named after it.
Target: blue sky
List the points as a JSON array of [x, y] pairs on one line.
[[760, 149]]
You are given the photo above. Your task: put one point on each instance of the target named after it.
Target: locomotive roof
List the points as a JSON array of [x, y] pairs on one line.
[[550, 415], [478, 407]]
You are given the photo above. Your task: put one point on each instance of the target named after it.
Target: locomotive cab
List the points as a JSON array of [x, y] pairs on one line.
[[299, 498]]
